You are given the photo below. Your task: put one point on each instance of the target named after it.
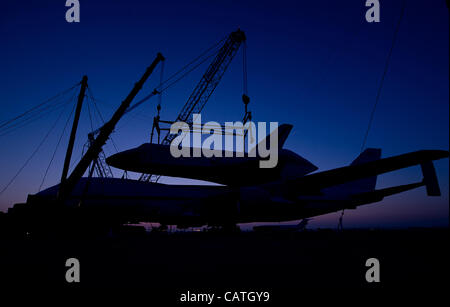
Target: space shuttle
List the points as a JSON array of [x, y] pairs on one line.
[[228, 169], [293, 190]]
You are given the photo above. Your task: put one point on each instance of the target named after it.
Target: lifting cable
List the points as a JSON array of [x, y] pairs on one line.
[[99, 114], [384, 75], [97, 164], [204, 53], [161, 75], [89, 112], [202, 58], [158, 108], [57, 145], [244, 68], [95, 108], [161, 88], [189, 71], [33, 153], [386, 66], [34, 113], [245, 97], [92, 127], [43, 112]]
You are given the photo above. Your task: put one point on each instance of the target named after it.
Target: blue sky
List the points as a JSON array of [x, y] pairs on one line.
[[314, 64]]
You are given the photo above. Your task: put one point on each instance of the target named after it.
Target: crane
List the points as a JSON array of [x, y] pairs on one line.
[[204, 89], [68, 184]]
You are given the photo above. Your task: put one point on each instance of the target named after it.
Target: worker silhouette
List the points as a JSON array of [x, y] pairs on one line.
[[340, 224]]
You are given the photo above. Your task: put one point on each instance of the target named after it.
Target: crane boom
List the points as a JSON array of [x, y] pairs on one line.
[[204, 89], [92, 153], [209, 80]]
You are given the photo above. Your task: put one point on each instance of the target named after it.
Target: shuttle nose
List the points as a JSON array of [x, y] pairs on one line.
[[122, 160], [138, 159], [112, 160]]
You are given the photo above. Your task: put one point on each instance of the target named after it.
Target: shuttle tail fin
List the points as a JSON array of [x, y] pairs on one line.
[[283, 133], [430, 178]]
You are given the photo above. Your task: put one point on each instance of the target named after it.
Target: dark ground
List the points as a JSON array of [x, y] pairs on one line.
[[282, 263]]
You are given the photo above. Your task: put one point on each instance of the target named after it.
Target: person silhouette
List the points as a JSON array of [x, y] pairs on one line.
[[340, 225]]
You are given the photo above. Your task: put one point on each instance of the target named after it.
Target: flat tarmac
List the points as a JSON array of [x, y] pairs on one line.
[[245, 261]]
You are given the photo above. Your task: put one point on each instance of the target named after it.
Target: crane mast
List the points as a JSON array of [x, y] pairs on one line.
[[92, 153], [204, 89], [209, 81]]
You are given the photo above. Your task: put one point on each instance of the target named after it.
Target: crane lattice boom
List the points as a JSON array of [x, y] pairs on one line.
[[209, 81]]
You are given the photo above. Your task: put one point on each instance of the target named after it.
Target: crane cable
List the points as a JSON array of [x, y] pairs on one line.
[[202, 58], [161, 75], [198, 59], [34, 111], [204, 53], [41, 113], [386, 66], [160, 90], [383, 76], [244, 68], [33, 153], [99, 114], [57, 145]]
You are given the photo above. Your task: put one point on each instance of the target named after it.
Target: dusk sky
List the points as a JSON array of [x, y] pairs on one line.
[[314, 64]]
